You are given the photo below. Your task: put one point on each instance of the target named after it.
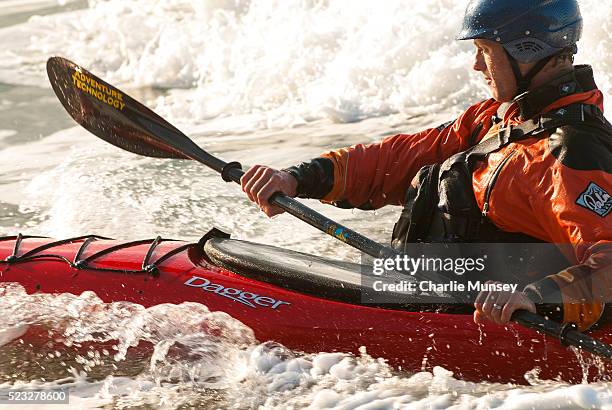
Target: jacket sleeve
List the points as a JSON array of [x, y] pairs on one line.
[[571, 197], [372, 176]]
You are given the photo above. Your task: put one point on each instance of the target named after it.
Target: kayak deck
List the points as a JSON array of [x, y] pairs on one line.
[[318, 276], [305, 302]]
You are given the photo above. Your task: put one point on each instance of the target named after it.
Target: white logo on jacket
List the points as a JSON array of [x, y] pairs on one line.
[[596, 199]]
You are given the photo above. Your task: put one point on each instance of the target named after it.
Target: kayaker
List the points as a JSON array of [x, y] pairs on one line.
[[531, 164]]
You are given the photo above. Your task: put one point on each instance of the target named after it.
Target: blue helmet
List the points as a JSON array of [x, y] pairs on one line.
[[529, 30]]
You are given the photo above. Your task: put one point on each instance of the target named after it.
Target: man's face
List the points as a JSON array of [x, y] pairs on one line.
[[492, 61]]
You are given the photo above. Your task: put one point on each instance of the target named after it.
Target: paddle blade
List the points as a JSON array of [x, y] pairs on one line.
[[112, 115]]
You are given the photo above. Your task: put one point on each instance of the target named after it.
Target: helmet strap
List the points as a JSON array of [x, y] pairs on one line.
[[524, 81]]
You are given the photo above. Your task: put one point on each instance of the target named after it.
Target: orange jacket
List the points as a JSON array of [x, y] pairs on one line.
[[538, 191]]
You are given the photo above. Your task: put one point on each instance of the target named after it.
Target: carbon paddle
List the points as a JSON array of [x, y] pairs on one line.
[[115, 117]]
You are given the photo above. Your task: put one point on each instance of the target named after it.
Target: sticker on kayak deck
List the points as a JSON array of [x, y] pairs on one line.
[[246, 298], [98, 90], [596, 199]]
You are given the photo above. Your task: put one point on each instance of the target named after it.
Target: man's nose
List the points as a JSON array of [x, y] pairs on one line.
[[479, 64]]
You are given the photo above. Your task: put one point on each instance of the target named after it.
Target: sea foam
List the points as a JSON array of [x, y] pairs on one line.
[[287, 61]]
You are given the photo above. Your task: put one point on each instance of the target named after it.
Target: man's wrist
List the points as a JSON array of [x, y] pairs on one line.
[[296, 175], [315, 179]]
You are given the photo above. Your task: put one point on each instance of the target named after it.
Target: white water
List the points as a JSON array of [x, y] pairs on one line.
[[260, 81], [286, 62], [208, 359]]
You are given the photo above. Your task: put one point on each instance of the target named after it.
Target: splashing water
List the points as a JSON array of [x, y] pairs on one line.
[[169, 356], [78, 320], [286, 62]]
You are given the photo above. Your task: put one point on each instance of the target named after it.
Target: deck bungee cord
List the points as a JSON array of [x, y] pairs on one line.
[[148, 267]]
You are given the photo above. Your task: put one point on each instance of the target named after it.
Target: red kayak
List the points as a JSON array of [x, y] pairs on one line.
[[307, 303]]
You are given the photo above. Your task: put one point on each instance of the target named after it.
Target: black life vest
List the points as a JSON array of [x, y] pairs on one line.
[[440, 205]]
